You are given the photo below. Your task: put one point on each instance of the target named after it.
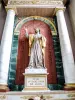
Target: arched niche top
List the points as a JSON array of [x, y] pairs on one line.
[[45, 20]]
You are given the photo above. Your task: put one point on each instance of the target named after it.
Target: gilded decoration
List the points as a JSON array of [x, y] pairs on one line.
[[46, 97], [31, 2], [49, 21], [70, 85], [2, 97], [71, 95], [4, 87], [57, 9]]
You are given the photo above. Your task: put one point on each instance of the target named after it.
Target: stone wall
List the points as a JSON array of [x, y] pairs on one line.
[[70, 31], [72, 13], [2, 20]]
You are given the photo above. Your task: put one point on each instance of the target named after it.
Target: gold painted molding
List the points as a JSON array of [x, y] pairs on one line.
[[21, 22], [61, 95], [57, 9], [11, 8], [32, 96], [32, 2], [70, 85], [35, 88], [35, 6], [2, 97], [71, 95], [4, 87], [26, 97]]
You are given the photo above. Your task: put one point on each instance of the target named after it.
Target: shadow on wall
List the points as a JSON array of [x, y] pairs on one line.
[[30, 99], [2, 20]]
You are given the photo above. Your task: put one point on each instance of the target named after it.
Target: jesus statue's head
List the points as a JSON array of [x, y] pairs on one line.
[[37, 30]]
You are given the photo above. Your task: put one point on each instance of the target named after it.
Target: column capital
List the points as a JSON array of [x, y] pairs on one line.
[[12, 9], [59, 9]]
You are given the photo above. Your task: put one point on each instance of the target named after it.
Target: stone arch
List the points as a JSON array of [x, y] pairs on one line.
[[45, 20]]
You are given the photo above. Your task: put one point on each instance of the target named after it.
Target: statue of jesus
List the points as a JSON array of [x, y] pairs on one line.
[[37, 44]]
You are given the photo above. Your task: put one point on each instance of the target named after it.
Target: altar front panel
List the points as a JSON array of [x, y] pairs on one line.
[[62, 95]]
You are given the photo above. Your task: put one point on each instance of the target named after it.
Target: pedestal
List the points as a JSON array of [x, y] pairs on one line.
[[35, 80]]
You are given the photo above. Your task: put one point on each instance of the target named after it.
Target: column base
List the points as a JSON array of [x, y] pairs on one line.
[[4, 88], [69, 87]]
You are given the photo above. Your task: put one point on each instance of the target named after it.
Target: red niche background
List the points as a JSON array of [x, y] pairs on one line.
[[23, 50]]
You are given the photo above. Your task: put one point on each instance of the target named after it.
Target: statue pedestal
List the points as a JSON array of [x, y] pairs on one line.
[[35, 80]]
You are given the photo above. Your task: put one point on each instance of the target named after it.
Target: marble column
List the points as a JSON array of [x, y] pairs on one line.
[[66, 51], [5, 49]]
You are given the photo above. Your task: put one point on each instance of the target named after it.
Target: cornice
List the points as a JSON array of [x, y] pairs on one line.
[[33, 2], [22, 7], [6, 2]]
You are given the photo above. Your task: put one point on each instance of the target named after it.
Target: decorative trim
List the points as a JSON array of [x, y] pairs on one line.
[[57, 9], [32, 2], [71, 95], [3, 88], [47, 21], [2, 97], [10, 8], [35, 88], [56, 92], [44, 97], [70, 85]]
